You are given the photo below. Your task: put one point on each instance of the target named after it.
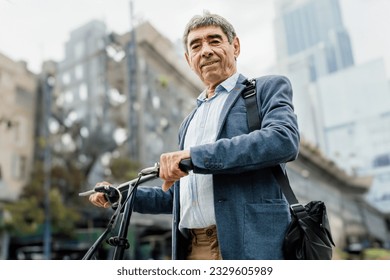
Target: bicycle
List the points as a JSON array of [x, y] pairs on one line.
[[120, 242]]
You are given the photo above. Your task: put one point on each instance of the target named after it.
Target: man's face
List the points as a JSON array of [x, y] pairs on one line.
[[210, 55]]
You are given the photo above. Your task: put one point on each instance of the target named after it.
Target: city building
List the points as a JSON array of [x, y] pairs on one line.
[[355, 109], [18, 93], [343, 108], [134, 96], [311, 42], [139, 97], [167, 90], [353, 221]]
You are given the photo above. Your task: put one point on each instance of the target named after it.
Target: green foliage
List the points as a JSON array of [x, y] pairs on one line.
[[34, 187], [123, 169], [376, 254], [63, 218], [163, 81], [27, 215]]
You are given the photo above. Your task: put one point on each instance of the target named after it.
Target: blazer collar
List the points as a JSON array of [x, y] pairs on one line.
[[231, 99], [234, 94]]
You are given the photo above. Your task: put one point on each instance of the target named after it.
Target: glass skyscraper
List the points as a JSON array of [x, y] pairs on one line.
[[313, 32], [342, 108]]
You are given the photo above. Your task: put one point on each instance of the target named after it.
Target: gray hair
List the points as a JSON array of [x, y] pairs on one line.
[[208, 19]]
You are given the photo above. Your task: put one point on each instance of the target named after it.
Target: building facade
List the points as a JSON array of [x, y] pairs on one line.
[[311, 42], [166, 92], [342, 107], [18, 92], [353, 221], [138, 98]]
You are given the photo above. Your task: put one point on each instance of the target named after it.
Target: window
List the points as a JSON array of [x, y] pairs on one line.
[[387, 221], [83, 92], [312, 69], [66, 79], [24, 98], [68, 96], [79, 50], [19, 169], [382, 160], [5, 79], [79, 73], [20, 132]]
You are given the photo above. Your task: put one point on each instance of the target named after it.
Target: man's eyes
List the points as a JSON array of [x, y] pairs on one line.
[[211, 43], [195, 46], [215, 42]]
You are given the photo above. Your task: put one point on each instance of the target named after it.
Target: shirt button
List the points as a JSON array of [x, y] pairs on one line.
[[209, 232]]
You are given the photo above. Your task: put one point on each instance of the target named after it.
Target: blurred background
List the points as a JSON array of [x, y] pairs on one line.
[[95, 90]]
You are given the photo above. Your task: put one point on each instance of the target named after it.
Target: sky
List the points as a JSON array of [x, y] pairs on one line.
[[36, 30]]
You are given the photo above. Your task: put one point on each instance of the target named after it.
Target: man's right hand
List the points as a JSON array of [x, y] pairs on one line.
[[169, 167]]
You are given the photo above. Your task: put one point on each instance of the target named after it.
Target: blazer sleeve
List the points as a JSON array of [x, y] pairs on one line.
[[153, 200], [276, 142]]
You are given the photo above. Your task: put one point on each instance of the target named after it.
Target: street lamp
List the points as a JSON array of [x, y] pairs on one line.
[[47, 91]]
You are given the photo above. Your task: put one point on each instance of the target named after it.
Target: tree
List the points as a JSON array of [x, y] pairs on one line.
[[123, 169], [26, 216]]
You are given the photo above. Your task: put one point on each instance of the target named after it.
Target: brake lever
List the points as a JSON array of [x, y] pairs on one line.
[[150, 170], [185, 165]]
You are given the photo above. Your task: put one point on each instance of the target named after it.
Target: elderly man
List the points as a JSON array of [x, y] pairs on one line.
[[230, 205]]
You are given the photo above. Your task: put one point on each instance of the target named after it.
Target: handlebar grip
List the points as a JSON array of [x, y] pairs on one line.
[[186, 165], [109, 191]]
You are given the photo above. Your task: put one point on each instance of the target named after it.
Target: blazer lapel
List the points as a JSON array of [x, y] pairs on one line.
[[231, 99]]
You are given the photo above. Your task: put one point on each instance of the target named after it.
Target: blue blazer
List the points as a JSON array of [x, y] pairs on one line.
[[251, 212]]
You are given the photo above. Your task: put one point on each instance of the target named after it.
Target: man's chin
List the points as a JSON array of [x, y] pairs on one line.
[[212, 79]]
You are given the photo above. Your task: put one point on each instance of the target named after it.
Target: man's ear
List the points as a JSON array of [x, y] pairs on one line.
[[236, 45], [187, 59]]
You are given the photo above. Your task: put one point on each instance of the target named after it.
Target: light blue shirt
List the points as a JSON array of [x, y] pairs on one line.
[[196, 190]]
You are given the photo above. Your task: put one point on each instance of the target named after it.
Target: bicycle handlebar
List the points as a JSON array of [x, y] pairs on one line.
[[146, 174], [186, 165], [120, 242]]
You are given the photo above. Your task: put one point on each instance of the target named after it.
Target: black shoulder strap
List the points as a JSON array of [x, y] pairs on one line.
[[249, 95]]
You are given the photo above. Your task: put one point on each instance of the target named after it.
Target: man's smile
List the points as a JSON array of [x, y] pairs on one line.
[[208, 63]]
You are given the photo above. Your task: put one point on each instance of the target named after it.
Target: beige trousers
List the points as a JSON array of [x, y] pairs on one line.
[[204, 245]]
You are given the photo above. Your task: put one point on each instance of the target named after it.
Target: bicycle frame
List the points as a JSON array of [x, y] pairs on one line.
[[120, 242]]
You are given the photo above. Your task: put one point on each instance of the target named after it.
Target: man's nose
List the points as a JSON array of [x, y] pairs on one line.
[[206, 49]]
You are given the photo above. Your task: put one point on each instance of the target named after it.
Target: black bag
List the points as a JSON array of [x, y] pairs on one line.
[[308, 236]]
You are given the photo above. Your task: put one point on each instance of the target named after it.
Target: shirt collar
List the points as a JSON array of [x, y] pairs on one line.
[[226, 85]]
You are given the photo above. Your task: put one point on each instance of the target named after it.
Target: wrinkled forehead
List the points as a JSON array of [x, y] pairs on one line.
[[204, 33]]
